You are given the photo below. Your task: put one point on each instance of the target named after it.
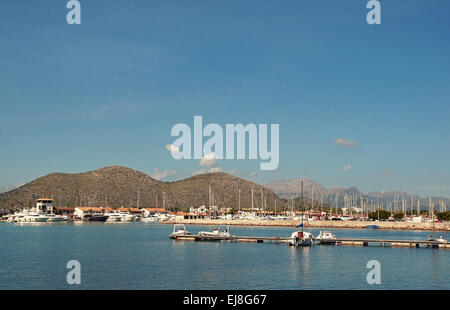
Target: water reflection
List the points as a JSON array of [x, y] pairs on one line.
[[300, 263], [434, 264]]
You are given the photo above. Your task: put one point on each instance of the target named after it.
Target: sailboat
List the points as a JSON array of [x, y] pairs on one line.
[[432, 238], [301, 238]]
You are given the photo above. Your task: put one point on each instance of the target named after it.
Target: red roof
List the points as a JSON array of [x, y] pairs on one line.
[[90, 209], [156, 210]]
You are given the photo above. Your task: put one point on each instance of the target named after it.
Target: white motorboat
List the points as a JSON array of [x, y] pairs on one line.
[[113, 217], [326, 237], [179, 230], [42, 212], [149, 219], [219, 231], [164, 217], [442, 239], [26, 216], [56, 218], [127, 217]]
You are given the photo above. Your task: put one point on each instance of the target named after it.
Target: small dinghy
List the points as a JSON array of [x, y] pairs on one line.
[[372, 227]]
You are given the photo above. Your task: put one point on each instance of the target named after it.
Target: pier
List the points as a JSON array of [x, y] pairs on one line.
[[338, 241], [255, 239]]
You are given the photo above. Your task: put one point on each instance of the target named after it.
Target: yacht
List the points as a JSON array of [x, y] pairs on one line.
[[96, 217], [127, 217], [164, 217], [44, 207], [56, 218], [179, 230], [113, 217], [149, 219], [26, 216]]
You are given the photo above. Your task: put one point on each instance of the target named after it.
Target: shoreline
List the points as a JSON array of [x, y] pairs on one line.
[[439, 227]]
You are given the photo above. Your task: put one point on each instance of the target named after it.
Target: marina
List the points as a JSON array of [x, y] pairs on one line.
[[324, 238]]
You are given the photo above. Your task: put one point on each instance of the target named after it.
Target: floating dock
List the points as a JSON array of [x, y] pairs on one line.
[[338, 241], [233, 238]]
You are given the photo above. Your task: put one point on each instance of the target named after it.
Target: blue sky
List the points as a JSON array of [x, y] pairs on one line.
[[107, 92]]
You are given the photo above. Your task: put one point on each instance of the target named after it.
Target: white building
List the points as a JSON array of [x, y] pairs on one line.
[[81, 212], [44, 205], [202, 209]]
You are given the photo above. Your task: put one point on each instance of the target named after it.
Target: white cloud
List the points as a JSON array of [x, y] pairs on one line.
[[234, 171], [161, 174], [210, 170], [387, 172], [215, 169], [10, 188], [173, 149], [347, 168], [345, 142], [252, 174], [201, 171], [208, 160]]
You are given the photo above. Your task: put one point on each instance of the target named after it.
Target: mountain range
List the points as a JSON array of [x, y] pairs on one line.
[[118, 186], [288, 189]]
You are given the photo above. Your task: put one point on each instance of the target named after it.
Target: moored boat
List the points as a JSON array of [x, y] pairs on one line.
[[327, 237], [179, 230], [96, 217], [219, 231], [301, 238], [372, 227]]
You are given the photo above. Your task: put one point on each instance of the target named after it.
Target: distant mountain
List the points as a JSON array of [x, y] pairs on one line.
[[118, 186], [390, 194], [292, 188], [288, 189]]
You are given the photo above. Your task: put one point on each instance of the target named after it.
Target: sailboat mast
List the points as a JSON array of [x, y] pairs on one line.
[[262, 200], [432, 214], [209, 195], [239, 195], [164, 200], [252, 199], [138, 199], [302, 206]]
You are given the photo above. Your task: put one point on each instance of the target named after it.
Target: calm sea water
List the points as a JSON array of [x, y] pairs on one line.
[[141, 256]]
